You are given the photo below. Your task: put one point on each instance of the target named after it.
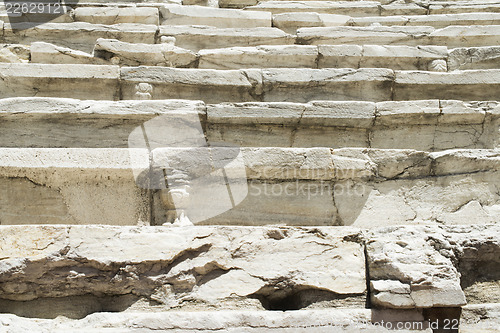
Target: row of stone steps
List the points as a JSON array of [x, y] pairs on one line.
[[284, 164], [229, 18], [181, 268], [396, 57], [249, 85], [292, 186], [420, 125], [83, 36]]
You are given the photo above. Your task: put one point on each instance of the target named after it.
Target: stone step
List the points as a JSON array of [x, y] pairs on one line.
[[82, 36], [78, 35], [437, 21], [452, 36], [149, 271], [248, 85], [397, 57], [321, 321], [71, 186], [338, 56], [352, 8], [291, 22], [196, 38], [421, 125], [373, 8], [248, 186], [116, 15]]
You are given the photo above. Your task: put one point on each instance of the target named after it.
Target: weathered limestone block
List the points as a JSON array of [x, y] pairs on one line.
[[385, 56], [323, 321], [196, 38], [436, 21], [70, 186], [407, 270], [79, 35], [115, 15], [304, 85], [460, 36], [215, 17], [46, 53], [29, 122], [134, 54], [351, 8], [290, 22], [474, 58], [14, 53], [72, 81], [378, 35], [469, 85], [194, 268], [287, 56], [211, 86]]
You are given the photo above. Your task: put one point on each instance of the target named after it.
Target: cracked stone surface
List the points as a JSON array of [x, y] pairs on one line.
[[182, 268]]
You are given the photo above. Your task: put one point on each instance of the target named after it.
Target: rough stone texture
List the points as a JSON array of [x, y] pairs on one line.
[[182, 268], [29, 122], [14, 53], [365, 35]]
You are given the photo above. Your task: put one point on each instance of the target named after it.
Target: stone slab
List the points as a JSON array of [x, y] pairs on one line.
[[223, 268], [461, 85], [79, 35], [71, 81], [116, 15], [196, 38], [215, 17]]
